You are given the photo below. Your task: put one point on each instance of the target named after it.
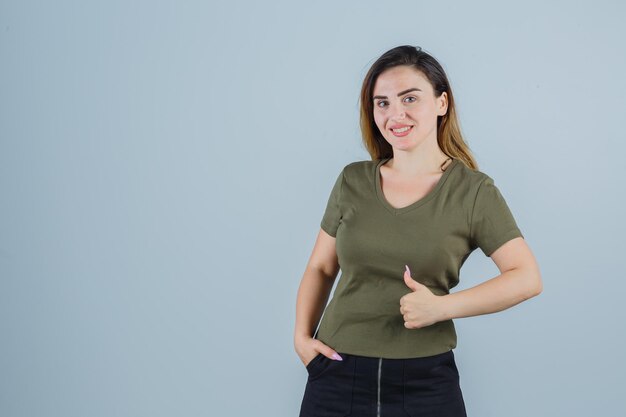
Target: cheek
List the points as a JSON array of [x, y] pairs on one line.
[[426, 112]]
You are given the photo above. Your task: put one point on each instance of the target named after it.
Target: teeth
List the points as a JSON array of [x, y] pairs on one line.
[[404, 129]]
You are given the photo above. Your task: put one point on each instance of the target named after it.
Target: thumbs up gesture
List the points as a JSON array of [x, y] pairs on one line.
[[420, 307]]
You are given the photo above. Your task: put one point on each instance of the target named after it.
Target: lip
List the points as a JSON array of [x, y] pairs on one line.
[[398, 126], [399, 135]]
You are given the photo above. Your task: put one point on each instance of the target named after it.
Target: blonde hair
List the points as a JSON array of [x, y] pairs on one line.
[[449, 135]]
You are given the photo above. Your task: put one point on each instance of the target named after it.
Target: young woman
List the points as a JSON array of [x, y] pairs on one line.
[[400, 227]]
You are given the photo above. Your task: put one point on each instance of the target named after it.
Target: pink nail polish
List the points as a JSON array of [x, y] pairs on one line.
[[407, 269], [337, 357]]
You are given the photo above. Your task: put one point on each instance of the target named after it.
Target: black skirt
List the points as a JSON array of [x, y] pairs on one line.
[[362, 386]]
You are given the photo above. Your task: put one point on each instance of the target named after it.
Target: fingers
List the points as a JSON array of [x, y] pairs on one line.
[[328, 352]]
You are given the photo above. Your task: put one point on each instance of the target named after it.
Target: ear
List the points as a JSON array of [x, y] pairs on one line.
[[443, 103]]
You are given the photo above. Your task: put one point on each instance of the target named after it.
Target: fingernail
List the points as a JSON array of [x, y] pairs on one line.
[[407, 269], [337, 357]]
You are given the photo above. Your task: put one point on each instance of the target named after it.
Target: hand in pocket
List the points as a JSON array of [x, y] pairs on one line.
[[309, 348]]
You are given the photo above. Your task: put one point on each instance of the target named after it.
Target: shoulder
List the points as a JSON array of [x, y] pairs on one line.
[[360, 165], [466, 183], [468, 178], [358, 169], [470, 175]]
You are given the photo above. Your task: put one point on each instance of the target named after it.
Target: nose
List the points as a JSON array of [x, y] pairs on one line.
[[397, 112]]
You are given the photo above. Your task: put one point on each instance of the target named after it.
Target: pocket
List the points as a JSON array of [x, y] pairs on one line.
[[312, 362], [432, 383], [329, 387], [446, 368]]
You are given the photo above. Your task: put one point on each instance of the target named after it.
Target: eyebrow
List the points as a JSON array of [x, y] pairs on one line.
[[400, 93]]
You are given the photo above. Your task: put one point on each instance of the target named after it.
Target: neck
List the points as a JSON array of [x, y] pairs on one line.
[[415, 164]]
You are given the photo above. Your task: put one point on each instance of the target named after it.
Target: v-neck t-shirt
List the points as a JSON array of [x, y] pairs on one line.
[[374, 240]]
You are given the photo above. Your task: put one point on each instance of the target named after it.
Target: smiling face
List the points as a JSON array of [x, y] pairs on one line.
[[405, 107]]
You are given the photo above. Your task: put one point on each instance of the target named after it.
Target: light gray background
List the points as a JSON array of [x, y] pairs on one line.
[[164, 167]]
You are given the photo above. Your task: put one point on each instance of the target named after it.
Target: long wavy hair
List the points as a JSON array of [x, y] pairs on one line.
[[449, 135]]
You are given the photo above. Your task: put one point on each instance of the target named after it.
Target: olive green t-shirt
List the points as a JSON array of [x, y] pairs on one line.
[[433, 236]]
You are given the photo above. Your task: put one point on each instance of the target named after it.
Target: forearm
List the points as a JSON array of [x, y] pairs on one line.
[[506, 290], [312, 297]]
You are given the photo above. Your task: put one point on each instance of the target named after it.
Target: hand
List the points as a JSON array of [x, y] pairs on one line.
[[308, 348], [419, 308]]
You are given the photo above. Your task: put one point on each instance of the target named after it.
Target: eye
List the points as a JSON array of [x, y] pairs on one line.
[[412, 97], [380, 102]]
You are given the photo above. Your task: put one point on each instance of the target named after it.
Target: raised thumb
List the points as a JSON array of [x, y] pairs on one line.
[[410, 282]]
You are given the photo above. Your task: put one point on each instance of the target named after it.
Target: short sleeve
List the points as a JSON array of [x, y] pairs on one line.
[[332, 215], [492, 223]]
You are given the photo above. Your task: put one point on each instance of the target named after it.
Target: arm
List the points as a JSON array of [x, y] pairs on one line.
[[315, 286], [518, 281]]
